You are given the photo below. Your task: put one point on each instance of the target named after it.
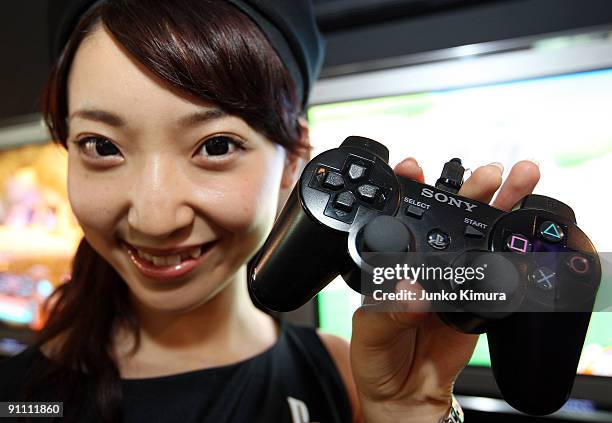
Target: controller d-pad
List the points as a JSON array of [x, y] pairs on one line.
[[368, 192], [359, 182], [333, 180], [356, 171], [344, 201]]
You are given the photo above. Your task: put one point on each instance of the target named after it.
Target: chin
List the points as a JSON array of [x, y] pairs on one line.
[[180, 300]]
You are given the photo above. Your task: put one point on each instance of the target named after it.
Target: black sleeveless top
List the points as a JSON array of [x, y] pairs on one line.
[[294, 381]]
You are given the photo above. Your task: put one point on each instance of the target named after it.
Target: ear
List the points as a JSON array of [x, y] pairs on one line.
[[294, 162]]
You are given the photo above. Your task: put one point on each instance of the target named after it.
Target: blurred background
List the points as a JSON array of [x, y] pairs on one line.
[[483, 80]]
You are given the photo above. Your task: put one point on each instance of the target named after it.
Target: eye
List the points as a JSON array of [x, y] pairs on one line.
[[220, 147], [96, 146]]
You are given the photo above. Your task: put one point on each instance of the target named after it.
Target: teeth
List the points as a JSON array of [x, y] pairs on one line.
[[159, 261], [196, 252], [172, 260], [144, 255]]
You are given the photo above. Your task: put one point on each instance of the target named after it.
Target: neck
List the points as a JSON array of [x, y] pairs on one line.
[[226, 329]]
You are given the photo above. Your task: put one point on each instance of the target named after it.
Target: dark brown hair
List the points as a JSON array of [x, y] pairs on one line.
[[206, 49]]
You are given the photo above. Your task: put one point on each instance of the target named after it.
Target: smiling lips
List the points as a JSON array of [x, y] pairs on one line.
[[168, 264], [170, 259]]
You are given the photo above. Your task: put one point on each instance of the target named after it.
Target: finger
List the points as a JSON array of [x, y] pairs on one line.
[[483, 182], [378, 323], [521, 181], [409, 168]]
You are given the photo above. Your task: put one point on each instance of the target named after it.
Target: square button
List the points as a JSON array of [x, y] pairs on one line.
[[518, 243]]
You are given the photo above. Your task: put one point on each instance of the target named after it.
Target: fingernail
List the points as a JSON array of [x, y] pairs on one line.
[[410, 159], [498, 165], [534, 161]]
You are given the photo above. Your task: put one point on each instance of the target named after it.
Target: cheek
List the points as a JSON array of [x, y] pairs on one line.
[[247, 201], [93, 201]]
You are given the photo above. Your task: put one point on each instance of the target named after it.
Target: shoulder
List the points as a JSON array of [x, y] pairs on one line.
[[340, 351], [14, 371], [332, 355]]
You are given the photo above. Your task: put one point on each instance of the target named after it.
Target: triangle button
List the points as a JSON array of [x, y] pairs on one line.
[[551, 231]]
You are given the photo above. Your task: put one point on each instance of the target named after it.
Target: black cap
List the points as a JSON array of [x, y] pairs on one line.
[[289, 26]]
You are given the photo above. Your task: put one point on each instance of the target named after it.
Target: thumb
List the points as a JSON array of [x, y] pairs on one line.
[[378, 323]]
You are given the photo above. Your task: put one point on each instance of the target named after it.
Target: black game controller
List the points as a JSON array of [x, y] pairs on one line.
[[348, 203]]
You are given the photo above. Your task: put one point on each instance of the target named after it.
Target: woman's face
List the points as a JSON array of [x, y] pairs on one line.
[[157, 170]]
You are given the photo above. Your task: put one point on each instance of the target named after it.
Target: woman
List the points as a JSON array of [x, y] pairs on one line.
[[184, 127]]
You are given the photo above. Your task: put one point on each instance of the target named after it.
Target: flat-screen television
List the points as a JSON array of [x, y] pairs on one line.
[[550, 102], [38, 237]]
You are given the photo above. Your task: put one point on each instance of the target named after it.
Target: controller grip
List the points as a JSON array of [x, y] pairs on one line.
[[535, 356], [298, 259]]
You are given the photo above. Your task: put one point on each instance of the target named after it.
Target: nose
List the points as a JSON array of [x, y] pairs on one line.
[[159, 205]]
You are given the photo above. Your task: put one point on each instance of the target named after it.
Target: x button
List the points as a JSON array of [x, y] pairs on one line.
[[543, 278]]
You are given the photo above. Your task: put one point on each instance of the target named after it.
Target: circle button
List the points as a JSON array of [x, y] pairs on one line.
[[578, 264]]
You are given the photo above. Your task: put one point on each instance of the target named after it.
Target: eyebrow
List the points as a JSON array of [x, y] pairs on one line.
[[111, 119]]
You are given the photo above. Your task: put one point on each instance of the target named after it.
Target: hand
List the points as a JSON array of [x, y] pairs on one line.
[[405, 362]]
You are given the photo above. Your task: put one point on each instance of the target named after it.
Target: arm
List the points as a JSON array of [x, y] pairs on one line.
[[339, 349]]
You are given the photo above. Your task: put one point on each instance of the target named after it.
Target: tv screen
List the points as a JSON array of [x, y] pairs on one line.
[[563, 122], [38, 237]]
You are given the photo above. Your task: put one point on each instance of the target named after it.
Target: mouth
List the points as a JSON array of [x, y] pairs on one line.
[[166, 267]]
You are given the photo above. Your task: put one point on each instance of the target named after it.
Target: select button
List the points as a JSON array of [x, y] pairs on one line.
[[415, 211]]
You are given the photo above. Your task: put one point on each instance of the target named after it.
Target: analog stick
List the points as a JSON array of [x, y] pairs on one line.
[[386, 234]]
